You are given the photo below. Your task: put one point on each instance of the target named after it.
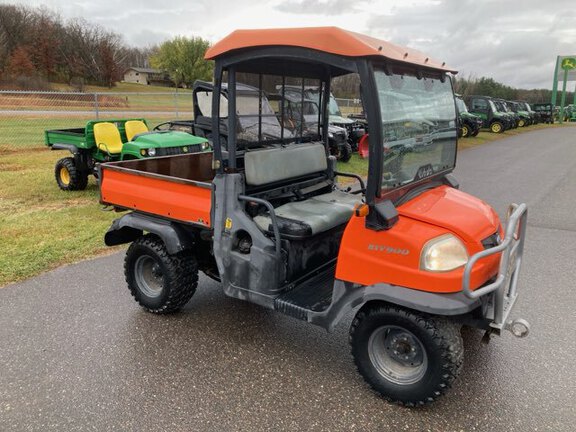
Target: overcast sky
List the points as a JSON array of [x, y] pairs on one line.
[[514, 42]]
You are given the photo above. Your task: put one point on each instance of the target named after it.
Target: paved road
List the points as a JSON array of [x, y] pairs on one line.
[[76, 353]]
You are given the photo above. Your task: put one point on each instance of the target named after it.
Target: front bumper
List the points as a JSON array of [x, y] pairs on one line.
[[503, 291]]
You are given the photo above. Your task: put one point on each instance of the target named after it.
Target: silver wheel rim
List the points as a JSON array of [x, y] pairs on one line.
[[397, 355], [149, 276]]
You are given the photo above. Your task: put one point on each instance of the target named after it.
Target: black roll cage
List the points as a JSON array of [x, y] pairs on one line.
[[308, 63]]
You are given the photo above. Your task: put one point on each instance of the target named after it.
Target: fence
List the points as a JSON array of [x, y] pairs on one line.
[[349, 106], [24, 115]]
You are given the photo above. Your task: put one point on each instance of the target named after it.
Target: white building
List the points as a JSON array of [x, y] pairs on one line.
[[147, 76]]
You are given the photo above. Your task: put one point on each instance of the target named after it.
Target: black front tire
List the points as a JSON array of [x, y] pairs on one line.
[[409, 358], [161, 283], [68, 176], [465, 131], [345, 152]]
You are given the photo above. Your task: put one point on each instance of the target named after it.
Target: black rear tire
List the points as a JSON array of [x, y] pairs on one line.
[[409, 358], [345, 152], [161, 283], [68, 176]]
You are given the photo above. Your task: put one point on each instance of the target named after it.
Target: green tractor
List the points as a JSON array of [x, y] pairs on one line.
[[113, 140]]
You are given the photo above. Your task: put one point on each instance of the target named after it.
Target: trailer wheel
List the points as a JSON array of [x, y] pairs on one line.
[[409, 358], [68, 176], [159, 282], [496, 127]]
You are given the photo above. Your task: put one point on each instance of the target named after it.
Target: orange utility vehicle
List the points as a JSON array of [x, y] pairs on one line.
[[411, 254]]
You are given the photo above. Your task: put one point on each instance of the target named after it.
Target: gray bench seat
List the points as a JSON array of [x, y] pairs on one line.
[[308, 217], [312, 216]]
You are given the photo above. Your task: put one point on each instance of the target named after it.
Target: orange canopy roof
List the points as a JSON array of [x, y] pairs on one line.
[[332, 40]]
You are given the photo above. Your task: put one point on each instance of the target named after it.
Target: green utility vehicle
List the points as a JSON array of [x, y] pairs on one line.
[[503, 107], [570, 113], [545, 112], [525, 106], [524, 117], [492, 117], [470, 124], [113, 140]]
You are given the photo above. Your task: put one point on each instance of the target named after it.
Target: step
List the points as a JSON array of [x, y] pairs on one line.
[[312, 295]]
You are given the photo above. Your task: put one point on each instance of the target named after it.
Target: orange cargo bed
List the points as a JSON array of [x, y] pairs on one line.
[[174, 187]]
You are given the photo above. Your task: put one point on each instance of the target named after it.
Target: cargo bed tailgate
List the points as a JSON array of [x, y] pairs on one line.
[[174, 187]]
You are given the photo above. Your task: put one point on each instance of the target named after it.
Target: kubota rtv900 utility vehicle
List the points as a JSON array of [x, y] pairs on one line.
[[412, 255]]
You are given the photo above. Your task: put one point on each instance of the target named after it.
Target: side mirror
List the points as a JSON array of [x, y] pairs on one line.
[[382, 216]]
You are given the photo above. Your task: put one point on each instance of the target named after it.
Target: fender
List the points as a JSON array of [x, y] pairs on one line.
[[348, 296], [70, 147], [81, 156], [131, 226]]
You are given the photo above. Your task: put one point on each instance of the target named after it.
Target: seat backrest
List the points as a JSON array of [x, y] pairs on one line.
[[107, 137], [134, 127], [271, 165]]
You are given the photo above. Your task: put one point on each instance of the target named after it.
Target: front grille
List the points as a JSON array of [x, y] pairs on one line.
[[339, 137], [172, 151], [491, 241]]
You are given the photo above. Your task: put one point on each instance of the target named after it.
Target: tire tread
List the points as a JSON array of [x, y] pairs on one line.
[[445, 334], [182, 271]]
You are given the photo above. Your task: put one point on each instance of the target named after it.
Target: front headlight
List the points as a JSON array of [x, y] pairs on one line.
[[204, 146], [152, 152], [443, 253], [330, 135]]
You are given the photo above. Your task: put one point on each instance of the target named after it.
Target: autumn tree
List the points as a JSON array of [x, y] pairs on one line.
[[20, 64], [183, 59]]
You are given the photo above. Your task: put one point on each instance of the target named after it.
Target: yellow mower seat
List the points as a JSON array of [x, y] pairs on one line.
[[135, 127], [107, 137]]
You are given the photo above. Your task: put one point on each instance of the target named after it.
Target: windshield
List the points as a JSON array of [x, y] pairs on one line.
[[461, 106], [313, 94], [418, 125], [333, 108]]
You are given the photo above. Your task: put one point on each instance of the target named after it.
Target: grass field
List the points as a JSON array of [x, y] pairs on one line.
[[122, 87], [42, 227]]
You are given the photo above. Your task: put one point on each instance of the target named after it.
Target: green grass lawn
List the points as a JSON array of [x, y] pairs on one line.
[[43, 227], [122, 87]]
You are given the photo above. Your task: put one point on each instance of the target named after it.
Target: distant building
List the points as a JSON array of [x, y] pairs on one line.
[[147, 76]]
